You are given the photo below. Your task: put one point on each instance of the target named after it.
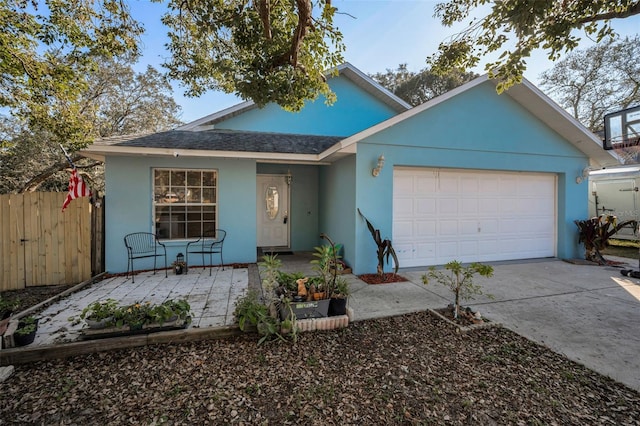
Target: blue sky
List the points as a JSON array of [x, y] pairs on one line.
[[379, 34]]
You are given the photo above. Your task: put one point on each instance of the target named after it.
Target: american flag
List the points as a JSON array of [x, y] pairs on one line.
[[77, 188]]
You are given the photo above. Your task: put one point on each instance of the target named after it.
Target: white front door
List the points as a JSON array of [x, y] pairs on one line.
[[272, 203]]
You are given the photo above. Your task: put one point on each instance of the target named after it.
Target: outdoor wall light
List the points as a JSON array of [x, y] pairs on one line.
[[376, 171], [583, 176]]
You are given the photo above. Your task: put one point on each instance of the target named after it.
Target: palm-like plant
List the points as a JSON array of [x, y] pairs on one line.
[[385, 249], [595, 234]]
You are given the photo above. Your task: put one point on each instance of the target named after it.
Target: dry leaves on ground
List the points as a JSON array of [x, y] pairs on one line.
[[410, 369]]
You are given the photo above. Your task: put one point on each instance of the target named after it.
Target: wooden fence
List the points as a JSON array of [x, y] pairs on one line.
[[41, 245]]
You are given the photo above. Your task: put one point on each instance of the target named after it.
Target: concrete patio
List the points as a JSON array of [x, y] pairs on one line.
[[211, 298]]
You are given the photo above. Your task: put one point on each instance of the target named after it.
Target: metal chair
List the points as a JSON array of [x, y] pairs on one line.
[[207, 245], [141, 245]]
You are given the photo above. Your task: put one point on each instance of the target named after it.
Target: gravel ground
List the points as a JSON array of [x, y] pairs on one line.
[[410, 369]]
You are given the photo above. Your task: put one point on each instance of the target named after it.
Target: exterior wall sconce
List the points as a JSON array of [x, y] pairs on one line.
[[376, 171], [288, 177], [583, 176]]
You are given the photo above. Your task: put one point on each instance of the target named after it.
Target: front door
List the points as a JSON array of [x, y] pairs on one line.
[[272, 203]]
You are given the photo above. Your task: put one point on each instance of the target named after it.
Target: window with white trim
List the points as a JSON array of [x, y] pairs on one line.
[[185, 203]]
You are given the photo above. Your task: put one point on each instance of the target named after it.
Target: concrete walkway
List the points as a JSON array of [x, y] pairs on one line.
[[589, 313]]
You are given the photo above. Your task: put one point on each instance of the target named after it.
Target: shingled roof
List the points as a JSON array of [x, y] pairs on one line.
[[227, 140]]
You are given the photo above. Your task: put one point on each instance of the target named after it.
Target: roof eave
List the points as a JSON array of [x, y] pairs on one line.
[[101, 152]]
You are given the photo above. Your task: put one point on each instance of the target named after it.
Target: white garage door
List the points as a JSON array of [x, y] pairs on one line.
[[441, 215]]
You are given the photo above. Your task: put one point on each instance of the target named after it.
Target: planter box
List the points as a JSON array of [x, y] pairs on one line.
[[101, 333], [305, 310]]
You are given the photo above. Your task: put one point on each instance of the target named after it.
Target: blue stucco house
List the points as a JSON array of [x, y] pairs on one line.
[[470, 175]]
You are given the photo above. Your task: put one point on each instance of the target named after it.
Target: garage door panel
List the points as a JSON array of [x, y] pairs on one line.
[[425, 206], [448, 206], [489, 226], [468, 227], [403, 230], [469, 185], [472, 216], [403, 207], [426, 229], [424, 183], [469, 206], [447, 228], [467, 248]]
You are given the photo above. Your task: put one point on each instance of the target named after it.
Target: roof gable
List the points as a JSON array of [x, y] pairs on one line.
[[526, 95], [361, 103]]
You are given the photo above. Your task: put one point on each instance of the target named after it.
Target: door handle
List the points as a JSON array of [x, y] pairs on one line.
[[286, 217]]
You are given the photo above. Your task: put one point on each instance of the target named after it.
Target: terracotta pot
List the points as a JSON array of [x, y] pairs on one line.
[[319, 296]]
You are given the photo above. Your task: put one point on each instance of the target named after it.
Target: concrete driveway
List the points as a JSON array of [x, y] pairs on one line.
[[589, 313]]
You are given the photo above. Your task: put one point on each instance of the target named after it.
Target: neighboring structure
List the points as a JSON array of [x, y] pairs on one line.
[[615, 191], [470, 175]]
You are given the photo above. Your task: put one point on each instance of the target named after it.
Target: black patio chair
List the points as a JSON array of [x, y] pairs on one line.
[[141, 245], [207, 245]]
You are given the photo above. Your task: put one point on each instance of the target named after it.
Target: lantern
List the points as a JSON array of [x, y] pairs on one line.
[[179, 265]]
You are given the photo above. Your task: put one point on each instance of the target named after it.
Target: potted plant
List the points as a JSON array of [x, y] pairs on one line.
[[338, 302], [26, 331], [6, 309], [135, 315], [100, 314]]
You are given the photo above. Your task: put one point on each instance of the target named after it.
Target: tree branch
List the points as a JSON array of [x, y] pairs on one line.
[[632, 10], [32, 184]]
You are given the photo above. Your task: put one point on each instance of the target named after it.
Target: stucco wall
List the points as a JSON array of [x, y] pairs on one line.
[[476, 130], [337, 205], [355, 110], [129, 206]]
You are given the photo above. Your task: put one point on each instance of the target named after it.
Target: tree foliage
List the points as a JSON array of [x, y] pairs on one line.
[[418, 87], [47, 48], [263, 50], [593, 82], [117, 101], [549, 25]]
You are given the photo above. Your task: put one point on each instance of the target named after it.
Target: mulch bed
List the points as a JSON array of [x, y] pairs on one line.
[[386, 278]]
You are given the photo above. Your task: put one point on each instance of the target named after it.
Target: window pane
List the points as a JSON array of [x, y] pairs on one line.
[[193, 230], [177, 179], [194, 195], [208, 195], [161, 178], [194, 178], [208, 179], [194, 215], [178, 230], [272, 200], [209, 228]]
